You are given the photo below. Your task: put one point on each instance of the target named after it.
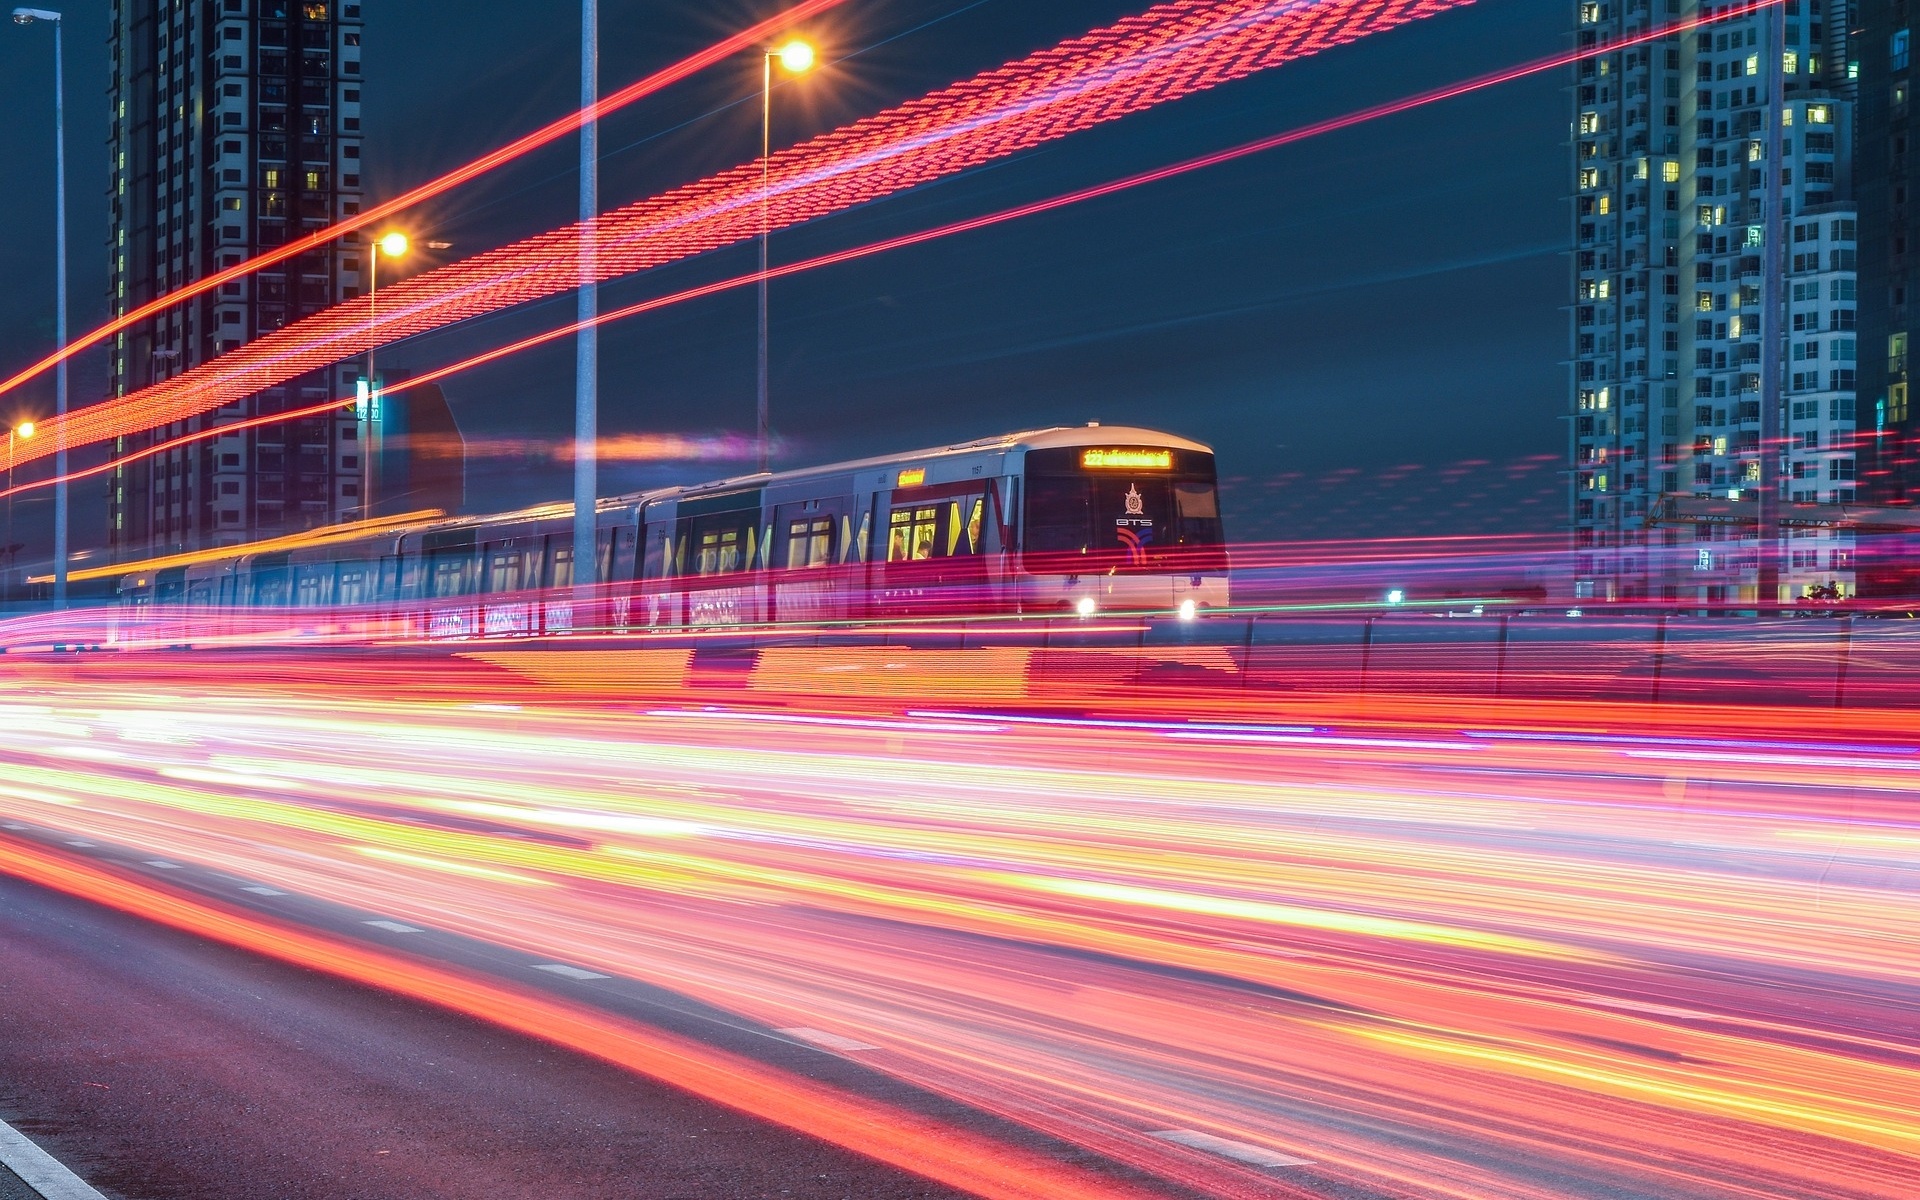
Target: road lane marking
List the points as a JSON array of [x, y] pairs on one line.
[[826, 1041], [1245, 1152], [393, 927], [257, 890], [568, 972], [40, 1171]]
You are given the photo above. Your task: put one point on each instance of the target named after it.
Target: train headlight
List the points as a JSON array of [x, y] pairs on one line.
[[1086, 606], [1188, 610]]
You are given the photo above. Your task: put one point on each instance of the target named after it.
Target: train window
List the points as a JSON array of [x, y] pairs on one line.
[[313, 586], [510, 568], [453, 573], [912, 534], [269, 586], [560, 549], [1196, 506], [810, 543], [718, 543], [1059, 519], [720, 552], [353, 583], [1131, 522]]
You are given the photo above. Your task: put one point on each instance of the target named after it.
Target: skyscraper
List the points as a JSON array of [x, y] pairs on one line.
[[1670, 149], [236, 125], [1890, 264]]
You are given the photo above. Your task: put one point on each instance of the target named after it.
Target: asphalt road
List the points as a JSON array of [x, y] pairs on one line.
[[159, 1066]]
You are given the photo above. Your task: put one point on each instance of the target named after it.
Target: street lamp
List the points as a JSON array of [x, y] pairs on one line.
[[27, 16], [20, 432], [367, 396], [796, 58]]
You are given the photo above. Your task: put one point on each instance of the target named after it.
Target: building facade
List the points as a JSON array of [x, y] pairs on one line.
[[236, 126], [1890, 261], [1670, 143]]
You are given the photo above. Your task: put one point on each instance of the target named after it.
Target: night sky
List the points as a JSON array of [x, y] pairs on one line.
[[1368, 326]]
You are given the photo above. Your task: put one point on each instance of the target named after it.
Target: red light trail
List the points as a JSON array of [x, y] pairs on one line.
[[1170, 51], [1456, 949], [1158, 174], [748, 39]]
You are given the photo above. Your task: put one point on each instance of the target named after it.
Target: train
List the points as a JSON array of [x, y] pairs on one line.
[[1081, 521]]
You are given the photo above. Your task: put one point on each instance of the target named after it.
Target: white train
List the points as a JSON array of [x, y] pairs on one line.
[[1083, 521]]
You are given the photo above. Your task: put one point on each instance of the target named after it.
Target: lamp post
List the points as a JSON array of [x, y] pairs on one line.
[[369, 395], [20, 432], [796, 58], [586, 346], [393, 245], [27, 16]]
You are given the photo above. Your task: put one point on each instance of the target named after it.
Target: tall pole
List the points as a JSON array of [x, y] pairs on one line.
[[8, 548], [59, 323], [375, 445], [586, 399], [766, 231], [1773, 326]]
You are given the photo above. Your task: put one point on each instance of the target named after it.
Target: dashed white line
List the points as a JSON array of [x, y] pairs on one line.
[[826, 1041], [257, 890], [164, 865], [568, 972], [393, 927], [1245, 1152]]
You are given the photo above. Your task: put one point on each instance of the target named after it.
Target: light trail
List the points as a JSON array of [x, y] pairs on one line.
[[1170, 51], [1465, 950], [750, 39], [968, 225]]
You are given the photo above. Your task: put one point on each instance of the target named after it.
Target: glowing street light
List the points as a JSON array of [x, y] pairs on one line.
[[796, 58], [392, 244]]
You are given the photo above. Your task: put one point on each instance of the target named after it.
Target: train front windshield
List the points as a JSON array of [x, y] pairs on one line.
[[1131, 510]]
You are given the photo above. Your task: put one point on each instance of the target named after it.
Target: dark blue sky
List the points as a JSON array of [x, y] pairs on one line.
[[1358, 323]]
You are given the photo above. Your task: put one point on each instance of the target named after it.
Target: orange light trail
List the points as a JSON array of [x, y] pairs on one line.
[[748, 39], [835, 258], [1442, 947], [1172, 50]]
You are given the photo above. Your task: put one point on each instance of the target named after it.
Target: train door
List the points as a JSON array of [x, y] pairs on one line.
[[933, 558], [813, 569]]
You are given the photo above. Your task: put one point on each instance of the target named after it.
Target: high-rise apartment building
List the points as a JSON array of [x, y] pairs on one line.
[[1890, 259], [1670, 148], [236, 126]]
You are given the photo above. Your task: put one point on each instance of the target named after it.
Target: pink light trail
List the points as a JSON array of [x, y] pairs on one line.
[[1457, 947], [747, 39], [1082, 195], [1170, 51]]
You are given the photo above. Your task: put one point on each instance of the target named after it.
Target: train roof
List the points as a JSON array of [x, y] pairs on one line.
[[1093, 434]]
